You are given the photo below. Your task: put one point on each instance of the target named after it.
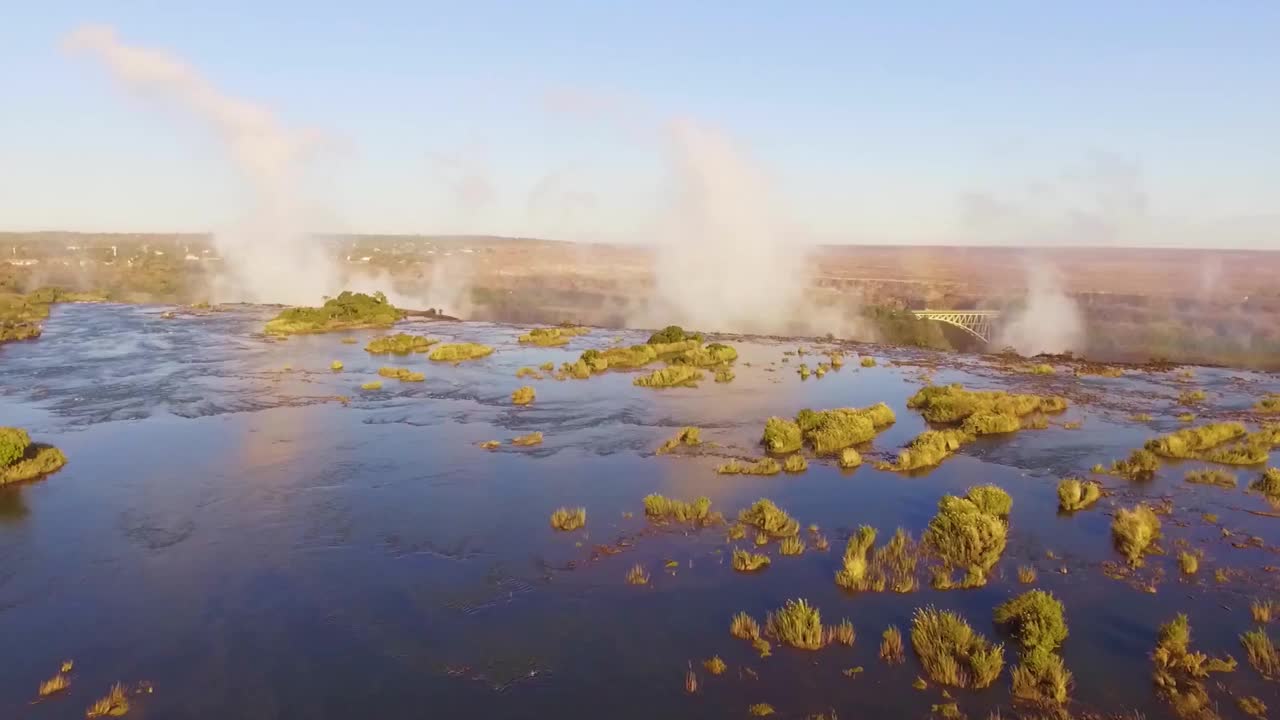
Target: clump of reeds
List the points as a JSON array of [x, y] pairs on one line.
[[854, 573], [1189, 562], [547, 366], [991, 499], [781, 436], [1036, 618], [990, 423], [796, 624], [744, 626], [637, 575], [760, 709], [528, 372], [744, 561], [791, 546], [867, 361], [1141, 417], [715, 665], [1246, 453], [724, 375], [670, 376], [1220, 478], [952, 653], [664, 509], [1077, 494], [763, 466], [1140, 465], [115, 704], [55, 684], [769, 519], [533, 438], [964, 535], [804, 371], [1264, 610], [456, 352], [1251, 705], [336, 365], [1178, 671], [954, 403], [891, 650], [1262, 653], [842, 633], [490, 444], [371, 385], [522, 395], [568, 519], [1026, 574], [1041, 677], [850, 458], [795, 463], [551, 337], [1135, 532]]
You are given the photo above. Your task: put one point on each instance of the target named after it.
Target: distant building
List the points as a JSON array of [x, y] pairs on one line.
[[23, 262]]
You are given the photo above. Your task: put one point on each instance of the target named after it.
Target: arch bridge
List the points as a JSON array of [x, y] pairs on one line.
[[978, 323]]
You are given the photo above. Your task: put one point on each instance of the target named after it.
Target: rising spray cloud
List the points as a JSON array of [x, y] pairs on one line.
[[1050, 321], [268, 257], [722, 263]]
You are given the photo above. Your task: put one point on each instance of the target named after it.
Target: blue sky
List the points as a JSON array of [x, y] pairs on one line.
[[944, 122]]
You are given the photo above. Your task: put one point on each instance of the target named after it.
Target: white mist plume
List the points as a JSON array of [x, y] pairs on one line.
[[1049, 322], [723, 265], [268, 257]]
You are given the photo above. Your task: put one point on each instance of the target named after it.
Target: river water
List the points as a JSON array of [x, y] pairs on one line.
[[230, 532]]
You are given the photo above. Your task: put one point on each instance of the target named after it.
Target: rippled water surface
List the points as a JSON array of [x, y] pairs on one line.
[[230, 531]]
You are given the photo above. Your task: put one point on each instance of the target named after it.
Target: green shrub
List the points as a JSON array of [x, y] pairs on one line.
[[551, 337], [791, 546], [1076, 494], [744, 561], [347, 310], [1262, 653], [1037, 619], [929, 448], [40, 460], [673, 334], [770, 519], [830, 431], [854, 573], [867, 361], [1239, 454], [964, 536], [991, 499], [954, 403], [567, 519], [455, 352], [1042, 677], [952, 653], [988, 423], [522, 395], [781, 436], [795, 464], [533, 438], [1140, 465], [1135, 531], [850, 458], [796, 624], [13, 445], [1178, 671], [1268, 484]]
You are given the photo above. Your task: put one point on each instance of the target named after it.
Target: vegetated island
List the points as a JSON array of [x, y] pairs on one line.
[[21, 315], [348, 311], [21, 459]]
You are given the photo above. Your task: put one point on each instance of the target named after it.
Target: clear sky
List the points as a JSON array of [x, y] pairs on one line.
[[932, 122]]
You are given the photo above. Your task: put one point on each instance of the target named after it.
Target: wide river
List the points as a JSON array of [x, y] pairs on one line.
[[231, 532]]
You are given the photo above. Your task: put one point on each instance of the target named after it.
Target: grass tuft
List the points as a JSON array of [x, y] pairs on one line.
[[744, 626], [791, 546], [399, 344], [744, 561], [457, 352], [1037, 619], [715, 665], [1135, 532], [795, 463], [963, 535], [567, 519], [891, 650], [842, 633], [796, 624], [55, 684], [769, 519], [763, 466], [533, 438], [522, 395], [1026, 574], [688, 436], [1178, 671], [1189, 562], [850, 458], [637, 575], [115, 704], [664, 509], [1262, 653], [671, 376], [1264, 610], [952, 653], [1077, 494]]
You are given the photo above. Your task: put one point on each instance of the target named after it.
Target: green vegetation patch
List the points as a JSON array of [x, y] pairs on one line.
[[952, 652], [769, 519], [744, 561], [797, 624], [552, 337], [346, 311], [763, 466], [927, 449], [402, 374], [1135, 532], [782, 436], [522, 395], [830, 431], [670, 376], [22, 460], [659, 508], [1268, 484], [1178, 672], [1141, 464], [687, 437], [1076, 494], [954, 403], [1037, 619], [1194, 441], [1220, 478], [673, 334], [568, 519], [456, 352], [399, 344], [965, 534]]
